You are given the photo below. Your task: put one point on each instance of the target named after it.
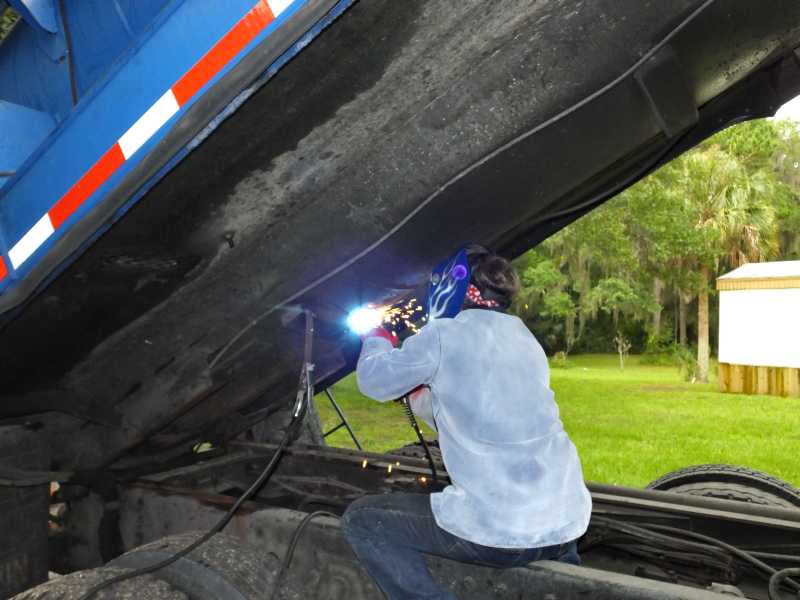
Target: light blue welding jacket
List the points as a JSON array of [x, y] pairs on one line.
[[516, 477]]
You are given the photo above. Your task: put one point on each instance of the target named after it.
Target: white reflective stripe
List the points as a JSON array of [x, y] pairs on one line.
[[148, 124], [278, 6], [31, 241]]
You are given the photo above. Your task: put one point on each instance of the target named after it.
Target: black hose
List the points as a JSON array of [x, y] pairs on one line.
[[705, 543], [260, 481], [739, 553], [413, 420], [287, 557], [305, 395], [776, 580]]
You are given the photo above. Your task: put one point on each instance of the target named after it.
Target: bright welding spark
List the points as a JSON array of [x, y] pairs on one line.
[[364, 464], [365, 318], [389, 469]]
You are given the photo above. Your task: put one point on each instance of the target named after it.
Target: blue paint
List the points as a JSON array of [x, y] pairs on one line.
[[22, 129], [118, 97], [33, 71]]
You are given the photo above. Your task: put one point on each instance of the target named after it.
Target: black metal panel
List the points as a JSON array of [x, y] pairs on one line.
[[406, 122]]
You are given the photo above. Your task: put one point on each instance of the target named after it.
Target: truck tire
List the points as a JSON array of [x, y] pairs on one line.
[[23, 513], [74, 585], [729, 482], [223, 567]]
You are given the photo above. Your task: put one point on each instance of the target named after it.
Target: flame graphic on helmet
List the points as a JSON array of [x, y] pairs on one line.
[[443, 293]]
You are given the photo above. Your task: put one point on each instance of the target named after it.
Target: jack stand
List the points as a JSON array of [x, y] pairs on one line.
[[343, 420]]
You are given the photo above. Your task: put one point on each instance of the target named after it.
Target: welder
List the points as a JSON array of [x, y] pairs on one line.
[[480, 378]]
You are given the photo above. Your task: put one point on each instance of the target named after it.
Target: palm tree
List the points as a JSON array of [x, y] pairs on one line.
[[734, 223]]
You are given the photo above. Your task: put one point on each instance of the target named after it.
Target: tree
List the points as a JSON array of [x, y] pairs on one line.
[[732, 217], [733, 199], [544, 293], [7, 21]]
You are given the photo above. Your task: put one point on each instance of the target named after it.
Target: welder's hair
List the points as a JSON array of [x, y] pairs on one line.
[[494, 276]]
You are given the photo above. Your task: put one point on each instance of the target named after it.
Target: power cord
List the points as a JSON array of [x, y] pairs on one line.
[[262, 479], [415, 426], [776, 580], [305, 393], [287, 558]]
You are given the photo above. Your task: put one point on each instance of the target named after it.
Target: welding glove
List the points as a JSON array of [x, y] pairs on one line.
[[382, 333]]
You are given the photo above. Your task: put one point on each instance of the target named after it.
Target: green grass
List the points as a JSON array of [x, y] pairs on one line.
[[630, 426]]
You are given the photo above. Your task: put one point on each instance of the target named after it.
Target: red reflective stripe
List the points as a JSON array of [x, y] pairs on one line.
[[212, 62], [86, 185], [3, 269], [241, 34]]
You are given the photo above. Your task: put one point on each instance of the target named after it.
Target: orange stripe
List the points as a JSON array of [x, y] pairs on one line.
[[86, 185], [3, 269], [241, 34]]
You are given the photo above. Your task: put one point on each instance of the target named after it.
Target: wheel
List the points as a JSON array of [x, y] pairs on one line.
[[223, 567], [23, 514], [730, 483], [74, 585]]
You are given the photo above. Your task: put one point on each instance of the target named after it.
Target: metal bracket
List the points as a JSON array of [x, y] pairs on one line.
[[663, 81], [305, 389]]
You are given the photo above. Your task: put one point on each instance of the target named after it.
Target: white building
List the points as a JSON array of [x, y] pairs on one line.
[[759, 329]]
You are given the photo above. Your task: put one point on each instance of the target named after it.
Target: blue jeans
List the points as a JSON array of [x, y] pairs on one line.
[[390, 533]]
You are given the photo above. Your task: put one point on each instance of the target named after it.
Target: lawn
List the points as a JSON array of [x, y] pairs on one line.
[[630, 426]]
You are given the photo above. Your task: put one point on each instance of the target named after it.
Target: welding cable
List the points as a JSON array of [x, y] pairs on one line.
[[287, 557], [703, 542], [406, 403], [739, 553], [472, 167], [776, 580], [640, 532], [220, 525]]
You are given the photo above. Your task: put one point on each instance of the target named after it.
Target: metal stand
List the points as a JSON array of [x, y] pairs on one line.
[[344, 423], [305, 389]]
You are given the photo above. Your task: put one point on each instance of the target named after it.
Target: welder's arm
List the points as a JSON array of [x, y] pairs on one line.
[[385, 373]]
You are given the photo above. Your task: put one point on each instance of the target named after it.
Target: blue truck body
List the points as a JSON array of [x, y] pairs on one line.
[[88, 88]]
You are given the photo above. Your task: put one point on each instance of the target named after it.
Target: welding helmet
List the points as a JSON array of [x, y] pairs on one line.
[[449, 282]]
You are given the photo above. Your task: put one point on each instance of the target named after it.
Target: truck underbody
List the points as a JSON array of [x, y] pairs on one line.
[[641, 544], [402, 131]]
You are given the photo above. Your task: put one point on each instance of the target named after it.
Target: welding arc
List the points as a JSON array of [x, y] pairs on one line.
[[472, 167]]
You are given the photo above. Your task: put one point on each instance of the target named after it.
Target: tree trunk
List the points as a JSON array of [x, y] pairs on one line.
[[702, 328], [569, 332], [683, 310], [658, 287]]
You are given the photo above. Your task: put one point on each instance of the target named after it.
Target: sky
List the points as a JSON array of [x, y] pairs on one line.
[[790, 110]]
